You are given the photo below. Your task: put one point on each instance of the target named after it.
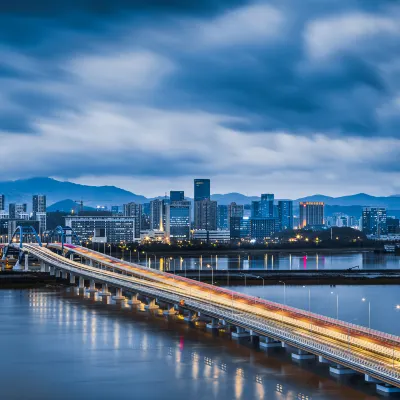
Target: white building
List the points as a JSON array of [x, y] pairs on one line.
[[211, 236], [153, 235]]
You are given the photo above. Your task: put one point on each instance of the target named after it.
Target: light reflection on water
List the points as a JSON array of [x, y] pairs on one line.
[[278, 261], [67, 347]]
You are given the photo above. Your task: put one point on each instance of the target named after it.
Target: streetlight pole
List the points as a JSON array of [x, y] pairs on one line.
[[284, 292], [212, 273], [309, 299], [369, 312]]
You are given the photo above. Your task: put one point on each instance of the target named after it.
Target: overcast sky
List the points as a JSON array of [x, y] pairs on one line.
[[289, 97]]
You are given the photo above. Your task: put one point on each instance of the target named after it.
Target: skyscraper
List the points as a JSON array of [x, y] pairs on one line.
[[311, 213], [175, 195], [38, 203], [285, 214], [222, 217], [374, 221], [134, 210], [255, 209], [156, 215], [2, 202], [15, 210], [267, 205], [235, 210], [205, 215], [201, 189], [178, 217]]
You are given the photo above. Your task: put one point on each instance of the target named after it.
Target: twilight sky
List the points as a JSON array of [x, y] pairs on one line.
[[288, 97]]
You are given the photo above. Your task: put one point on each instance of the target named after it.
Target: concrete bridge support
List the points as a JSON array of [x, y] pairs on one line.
[[52, 271], [323, 360], [64, 275], [191, 315], [268, 343], [240, 333], [42, 266], [92, 287], [341, 370], [151, 305], [214, 324], [134, 301], [118, 295], [170, 310], [104, 290], [387, 389], [58, 273], [301, 355], [26, 264], [370, 379], [81, 284], [72, 279]]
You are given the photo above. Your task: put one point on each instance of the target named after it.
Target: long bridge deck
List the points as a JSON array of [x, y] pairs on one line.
[[370, 352]]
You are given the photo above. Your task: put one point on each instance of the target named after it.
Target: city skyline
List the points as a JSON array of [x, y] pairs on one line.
[[144, 97]]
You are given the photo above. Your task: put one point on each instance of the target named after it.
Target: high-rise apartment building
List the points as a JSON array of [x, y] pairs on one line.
[[202, 189], [156, 215], [267, 205], [255, 210], [134, 210], [374, 221], [178, 219], [2, 202], [262, 228], [39, 203], [311, 213], [285, 214], [222, 217], [15, 210], [235, 210], [205, 215]]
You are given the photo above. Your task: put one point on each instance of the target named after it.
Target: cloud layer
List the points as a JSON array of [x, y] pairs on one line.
[[259, 96]]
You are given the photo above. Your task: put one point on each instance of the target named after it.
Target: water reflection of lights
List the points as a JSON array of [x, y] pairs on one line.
[[279, 388], [239, 381]]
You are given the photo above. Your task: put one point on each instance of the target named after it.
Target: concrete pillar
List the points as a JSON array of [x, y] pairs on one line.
[[64, 275], [134, 301], [302, 355], [118, 296], [267, 343], [81, 284], [341, 370], [323, 360], [58, 273], [370, 379], [214, 324], [386, 388], [240, 333], [170, 310], [92, 288], [151, 305], [191, 315], [104, 290], [52, 270], [26, 266], [72, 279], [71, 256], [42, 266]]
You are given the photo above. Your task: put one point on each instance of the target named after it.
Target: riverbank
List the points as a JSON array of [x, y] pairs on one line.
[[21, 279]]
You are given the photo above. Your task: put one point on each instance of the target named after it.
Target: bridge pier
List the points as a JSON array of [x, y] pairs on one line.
[[58, 273], [240, 333], [341, 370], [268, 343], [170, 310], [214, 324], [72, 279], [81, 284], [151, 305], [323, 360], [92, 287], [386, 388], [370, 379], [118, 295], [190, 316], [104, 290], [42, 266], [134, 301], [64, 275], [300, 355], [26, 265]]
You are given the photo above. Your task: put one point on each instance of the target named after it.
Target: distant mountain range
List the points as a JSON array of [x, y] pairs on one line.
[[68, 193]]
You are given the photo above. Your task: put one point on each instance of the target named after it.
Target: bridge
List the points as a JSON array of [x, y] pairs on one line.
[[346, 347]]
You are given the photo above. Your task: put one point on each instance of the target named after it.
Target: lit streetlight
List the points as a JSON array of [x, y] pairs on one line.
[[284, 292], [369, 312], [309, 299]]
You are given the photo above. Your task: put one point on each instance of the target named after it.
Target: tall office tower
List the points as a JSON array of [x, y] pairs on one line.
[[39, 203], [311, 213], [201, 189], [176, 195], [255, 210], [239, 229], [267, 205], [2, 202], [178, 220], [134, 210], [393, 225], [205, 215], [15, 210], [374, 221], [262, 228], [156, 215], [235, 210], [222, 217], [285, 214]]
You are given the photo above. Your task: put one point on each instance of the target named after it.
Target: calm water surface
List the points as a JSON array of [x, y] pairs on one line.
[[275, 261], [57, 345]]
